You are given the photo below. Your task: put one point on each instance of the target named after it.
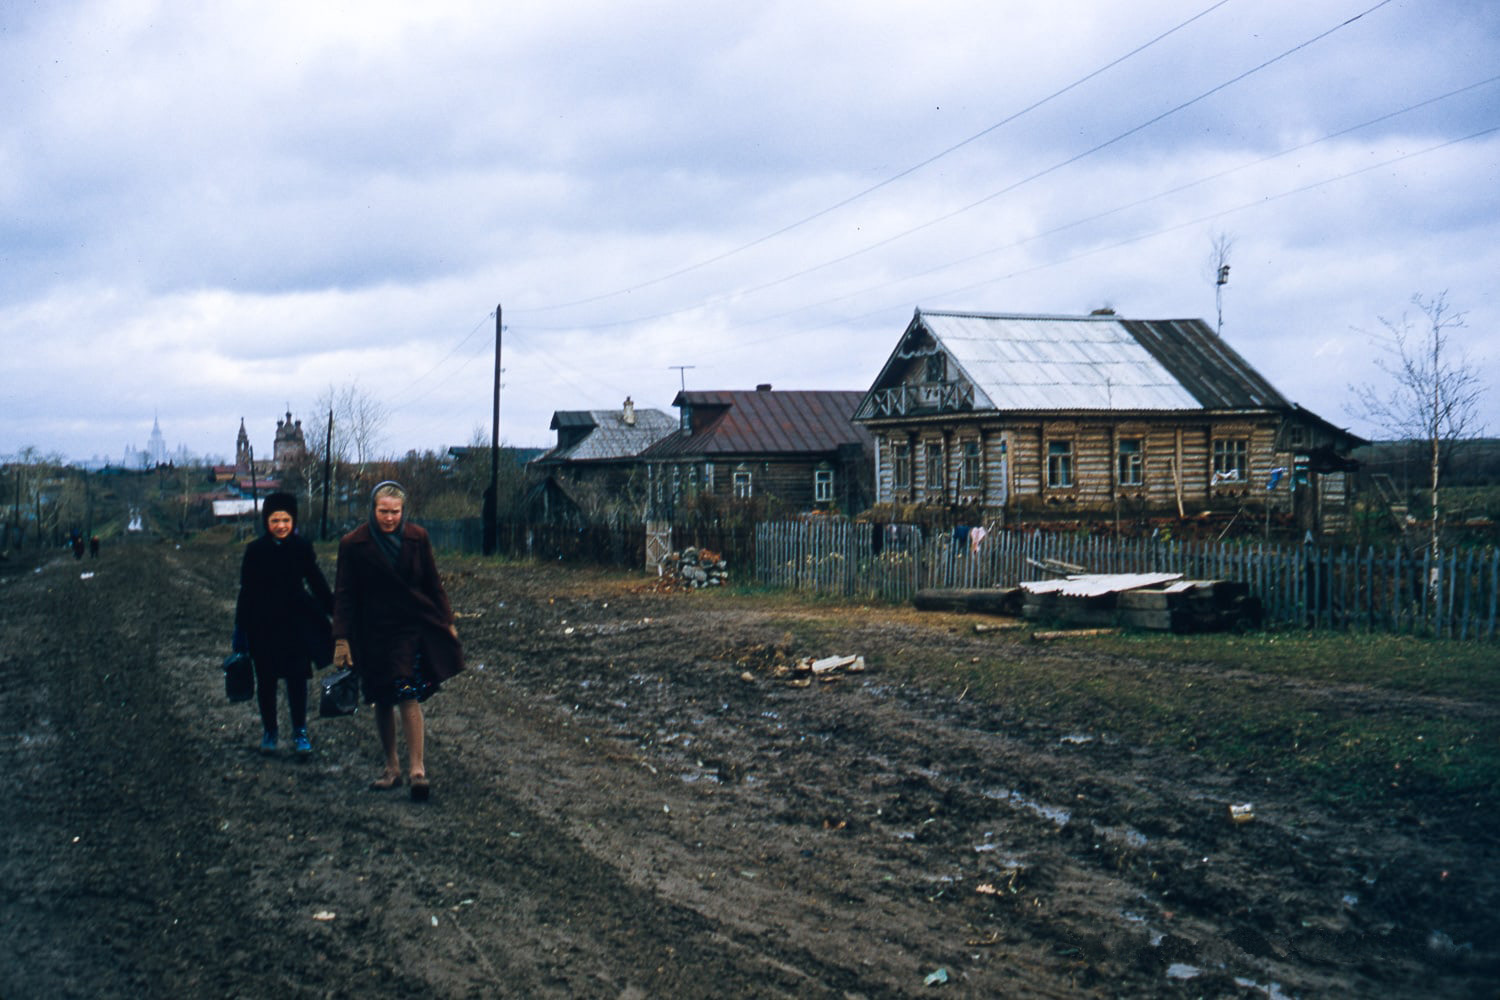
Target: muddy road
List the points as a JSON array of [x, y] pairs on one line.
[[630, 800]]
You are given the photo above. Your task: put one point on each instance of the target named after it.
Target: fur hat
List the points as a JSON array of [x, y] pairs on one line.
[[278, 502]]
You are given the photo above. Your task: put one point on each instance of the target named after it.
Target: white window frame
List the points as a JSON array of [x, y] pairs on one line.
[[823, 485]]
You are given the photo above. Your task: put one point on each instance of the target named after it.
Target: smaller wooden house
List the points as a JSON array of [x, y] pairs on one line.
[[797, 448], [595, 472], [1012, 418]]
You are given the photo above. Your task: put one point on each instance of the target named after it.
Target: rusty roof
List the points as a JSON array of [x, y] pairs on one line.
[[765, 422]]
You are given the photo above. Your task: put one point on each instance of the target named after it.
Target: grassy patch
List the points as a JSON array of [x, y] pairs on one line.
[[1360, 720]]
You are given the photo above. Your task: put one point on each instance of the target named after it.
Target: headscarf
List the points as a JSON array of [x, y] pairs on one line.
[[388, 543], [277, 503]]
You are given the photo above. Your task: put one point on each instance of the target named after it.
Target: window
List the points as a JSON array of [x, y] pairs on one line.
[[676, 482], [935, 368], [934, 466], [1059, 464], [901, 466], [1231, 460], [823, 485], [708, 477], [969, 472], [742, 483], [1128, 465]]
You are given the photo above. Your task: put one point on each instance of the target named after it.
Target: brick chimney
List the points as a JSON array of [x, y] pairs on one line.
[[627, 414]]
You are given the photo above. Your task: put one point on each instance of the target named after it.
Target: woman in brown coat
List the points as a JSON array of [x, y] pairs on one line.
[[392, 624]]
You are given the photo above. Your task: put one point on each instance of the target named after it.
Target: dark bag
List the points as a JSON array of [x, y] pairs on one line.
[[239, 677], [340, 694]]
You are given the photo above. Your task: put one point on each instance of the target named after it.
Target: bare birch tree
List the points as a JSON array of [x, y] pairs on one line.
[[358, 425], [1432, 389]]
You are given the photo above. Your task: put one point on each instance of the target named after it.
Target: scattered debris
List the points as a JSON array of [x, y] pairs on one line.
[[324, 915], [1242, 813], [824, 669], [981, 627], [1073, 633], [936, 977]]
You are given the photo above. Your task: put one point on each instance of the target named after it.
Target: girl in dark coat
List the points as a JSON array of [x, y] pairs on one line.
[[281, 619], [392, 624]]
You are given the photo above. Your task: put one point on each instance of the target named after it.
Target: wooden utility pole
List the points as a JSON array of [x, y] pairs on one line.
[[327, 474], [492, 495]]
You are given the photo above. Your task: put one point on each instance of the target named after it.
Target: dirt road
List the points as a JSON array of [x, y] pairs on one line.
[[628, 801]]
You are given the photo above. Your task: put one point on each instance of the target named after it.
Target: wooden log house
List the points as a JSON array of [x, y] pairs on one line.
[[1022, 418]]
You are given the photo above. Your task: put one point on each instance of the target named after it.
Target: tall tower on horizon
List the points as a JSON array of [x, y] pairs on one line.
[[242, 450], [156, 449]]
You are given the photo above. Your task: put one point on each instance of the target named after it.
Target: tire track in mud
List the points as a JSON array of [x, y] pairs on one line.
[[617, 813]]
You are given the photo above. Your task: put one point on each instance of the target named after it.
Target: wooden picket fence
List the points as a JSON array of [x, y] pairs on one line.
[[1454, 595]]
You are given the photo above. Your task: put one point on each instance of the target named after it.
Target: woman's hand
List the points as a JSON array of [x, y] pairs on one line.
[[341, 656]]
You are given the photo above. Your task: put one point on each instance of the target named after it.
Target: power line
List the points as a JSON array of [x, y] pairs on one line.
[[1077, 157], [888, 181]]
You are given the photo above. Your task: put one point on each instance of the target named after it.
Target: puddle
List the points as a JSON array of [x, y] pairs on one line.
[[1181, 970], [1273, 991], [1056, 814], [1127, 835]]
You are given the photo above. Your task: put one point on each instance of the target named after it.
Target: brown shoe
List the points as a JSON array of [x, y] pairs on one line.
[[386, 781], [419, 788]]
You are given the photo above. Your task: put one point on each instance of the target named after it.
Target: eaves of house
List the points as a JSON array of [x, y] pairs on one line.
[[763, 422], [1097, 364]]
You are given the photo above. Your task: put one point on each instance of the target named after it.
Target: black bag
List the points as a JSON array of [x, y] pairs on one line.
[[340, 694], [239, 677]]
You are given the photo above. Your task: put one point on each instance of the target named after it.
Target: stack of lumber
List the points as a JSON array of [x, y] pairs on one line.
[[1159, 601]]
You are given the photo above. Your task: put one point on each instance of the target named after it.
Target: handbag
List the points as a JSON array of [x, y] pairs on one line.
[[340, 694], [239, 677]]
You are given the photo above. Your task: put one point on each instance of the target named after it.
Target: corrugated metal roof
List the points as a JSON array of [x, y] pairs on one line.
[[611, 437], [765, 422], [1206, 365], [1058, 363]]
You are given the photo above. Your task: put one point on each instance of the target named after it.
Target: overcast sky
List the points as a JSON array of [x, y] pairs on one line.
[[215, 211]]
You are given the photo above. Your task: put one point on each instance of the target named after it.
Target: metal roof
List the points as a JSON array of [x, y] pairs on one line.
[[611, 437], [1099, 362], [765, 422]]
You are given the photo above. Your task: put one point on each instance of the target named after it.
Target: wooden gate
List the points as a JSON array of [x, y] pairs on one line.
[[658, 542]]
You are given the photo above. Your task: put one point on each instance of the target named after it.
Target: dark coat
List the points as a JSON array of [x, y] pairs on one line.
[[390, 614], [284, 606]]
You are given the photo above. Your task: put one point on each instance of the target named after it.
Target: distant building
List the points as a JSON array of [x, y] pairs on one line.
[[289, 447]]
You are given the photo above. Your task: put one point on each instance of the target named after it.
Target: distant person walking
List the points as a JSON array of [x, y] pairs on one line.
[[281, 618], [393, 625], [93, 546]]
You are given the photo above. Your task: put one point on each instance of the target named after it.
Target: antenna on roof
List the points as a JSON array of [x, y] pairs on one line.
[[1219, 261], [682, 373]]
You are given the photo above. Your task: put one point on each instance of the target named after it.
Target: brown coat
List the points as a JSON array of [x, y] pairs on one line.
[[390, 617]]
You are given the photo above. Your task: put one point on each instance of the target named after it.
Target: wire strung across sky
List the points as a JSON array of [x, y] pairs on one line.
[[565, 369], [851, 199], [1008, 189]]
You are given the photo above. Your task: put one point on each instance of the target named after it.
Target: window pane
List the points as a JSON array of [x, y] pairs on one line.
[[1059, 463], [823, 485], [1130, 466]]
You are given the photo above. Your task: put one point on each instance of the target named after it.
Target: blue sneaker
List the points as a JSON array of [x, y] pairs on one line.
[[268, 742], [300, 742]]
